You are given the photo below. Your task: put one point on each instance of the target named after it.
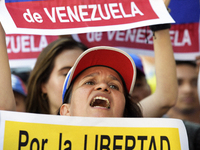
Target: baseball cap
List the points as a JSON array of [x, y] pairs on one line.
[[18, 85], [138, 62], [107, 56]]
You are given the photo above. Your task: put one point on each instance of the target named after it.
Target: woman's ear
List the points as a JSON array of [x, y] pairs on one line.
[[64, 110], [43, 88]]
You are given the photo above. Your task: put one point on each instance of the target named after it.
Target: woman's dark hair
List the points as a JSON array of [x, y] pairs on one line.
[[40, 74], [132, 108]]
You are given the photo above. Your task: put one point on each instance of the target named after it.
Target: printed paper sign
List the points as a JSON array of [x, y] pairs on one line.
[[184, 38], [44, 132], [55, 17]]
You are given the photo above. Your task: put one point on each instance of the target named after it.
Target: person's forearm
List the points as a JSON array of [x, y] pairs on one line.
[[165, 66], [7, 101]]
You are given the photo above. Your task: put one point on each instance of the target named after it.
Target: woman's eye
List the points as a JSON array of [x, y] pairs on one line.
[[89, 83], [65, 74], [114, 87]]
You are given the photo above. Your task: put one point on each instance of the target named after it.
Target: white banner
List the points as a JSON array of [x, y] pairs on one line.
[[45, 132]]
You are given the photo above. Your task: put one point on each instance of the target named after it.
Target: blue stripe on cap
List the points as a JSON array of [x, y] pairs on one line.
[[65, 85]]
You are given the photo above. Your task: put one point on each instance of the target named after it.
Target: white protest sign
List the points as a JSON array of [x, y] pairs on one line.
[[44, 132], [57, 17]]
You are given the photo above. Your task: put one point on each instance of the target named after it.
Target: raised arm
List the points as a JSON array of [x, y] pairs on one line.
[[157, 104], [7, 101]]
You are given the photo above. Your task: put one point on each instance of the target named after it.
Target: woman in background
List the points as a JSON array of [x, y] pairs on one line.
[[47, 77]]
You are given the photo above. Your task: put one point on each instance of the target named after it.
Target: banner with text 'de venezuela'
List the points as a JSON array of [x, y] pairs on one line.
[[56, 17]]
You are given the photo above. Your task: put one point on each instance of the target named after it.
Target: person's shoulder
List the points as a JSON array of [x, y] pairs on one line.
[[191, 125], [193, 131]]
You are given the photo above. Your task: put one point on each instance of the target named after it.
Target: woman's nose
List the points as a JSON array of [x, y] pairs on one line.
[[103, 87]]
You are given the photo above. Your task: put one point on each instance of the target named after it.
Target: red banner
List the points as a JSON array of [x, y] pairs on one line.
[[26, 46], [23, 48], [70, 14], [184, 37], [56, 17]]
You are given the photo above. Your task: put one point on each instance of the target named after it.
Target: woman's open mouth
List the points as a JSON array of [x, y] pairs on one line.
[[100, 101]]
